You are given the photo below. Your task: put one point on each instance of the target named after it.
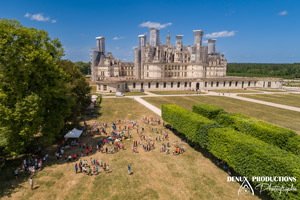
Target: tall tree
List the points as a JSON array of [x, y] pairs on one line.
[[34, 99], [84, 67]]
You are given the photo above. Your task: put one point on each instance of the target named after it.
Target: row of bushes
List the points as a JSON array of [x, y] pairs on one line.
[[250, 157], [283, 138], [194, 126], [247, 155]]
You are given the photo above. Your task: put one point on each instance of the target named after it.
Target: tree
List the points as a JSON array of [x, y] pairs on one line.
[[34, 97], [79, 90], [85, 68]]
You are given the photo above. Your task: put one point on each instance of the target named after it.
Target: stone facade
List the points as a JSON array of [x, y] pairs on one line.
[[165, 67]]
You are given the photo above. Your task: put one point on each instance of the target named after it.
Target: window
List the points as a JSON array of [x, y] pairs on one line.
[[254, 83], [185, 84], [243, 84], [157, 85], [224, 84], [165, 84], [269, 84], [190, 84], [205, 84], [178, 84], [230, 84], [249, 83], [185, 67], [104, 87], [147, 74], [236, 84], [147, 67], [217, 84], [149, 85], [171, 84], [133, 85], [212, 84], [185, 74], [118, 86]]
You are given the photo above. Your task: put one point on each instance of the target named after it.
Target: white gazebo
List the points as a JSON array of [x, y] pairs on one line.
[[73, 134]]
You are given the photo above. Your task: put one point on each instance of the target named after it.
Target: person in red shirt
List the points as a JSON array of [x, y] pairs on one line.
[[87, 152]]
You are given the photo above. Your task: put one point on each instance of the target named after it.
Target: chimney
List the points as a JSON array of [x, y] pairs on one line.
[[179, 42], [142, 41], [211, 46], [101, 44], [154, 37], [198, 37]]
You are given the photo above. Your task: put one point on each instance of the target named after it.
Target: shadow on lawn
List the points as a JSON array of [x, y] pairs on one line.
[[214, 159], [9, 182]]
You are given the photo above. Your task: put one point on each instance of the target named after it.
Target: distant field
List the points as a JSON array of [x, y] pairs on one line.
[[285, 99], [277, 116], [174, 92], [235, 91], [155, 175]]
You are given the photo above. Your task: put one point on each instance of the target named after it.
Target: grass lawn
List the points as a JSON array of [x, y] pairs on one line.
[[277, 116], [235, 91], [271, 90], [94, 89], [285, 99], [155, 175], [134, 93], [175, 92]]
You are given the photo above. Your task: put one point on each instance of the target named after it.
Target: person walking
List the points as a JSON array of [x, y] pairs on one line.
[[129, 168], [76, 168], [31, 183], [16, 173]]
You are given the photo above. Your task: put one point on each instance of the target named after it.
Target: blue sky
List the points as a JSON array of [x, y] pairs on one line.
[[253, 31]]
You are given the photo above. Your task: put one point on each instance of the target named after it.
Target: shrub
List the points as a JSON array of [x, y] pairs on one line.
[[283, 138], [207, 110], [251, 157], [195, 127]]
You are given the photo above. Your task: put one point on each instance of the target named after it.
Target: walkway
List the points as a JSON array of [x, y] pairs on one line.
[[148, 105], [230, 95]]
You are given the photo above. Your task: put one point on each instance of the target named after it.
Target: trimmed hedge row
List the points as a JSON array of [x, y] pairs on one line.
[[250, 157], [195, 127], [207, 110], [283, 138], [247, 155]]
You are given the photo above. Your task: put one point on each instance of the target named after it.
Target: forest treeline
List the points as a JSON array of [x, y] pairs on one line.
[[284, 70]]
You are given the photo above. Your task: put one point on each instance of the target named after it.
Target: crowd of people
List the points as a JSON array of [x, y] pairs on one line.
[[91, 168]]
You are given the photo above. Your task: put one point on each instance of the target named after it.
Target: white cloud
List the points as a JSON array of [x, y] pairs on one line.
[[39, 17], [118, 38], [220, 34], [283, 13], [154, 25], [205, 41], [134, 47]]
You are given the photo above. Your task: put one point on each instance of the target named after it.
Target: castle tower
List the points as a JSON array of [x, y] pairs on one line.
[[211, 46], [197, 44], [168, 40], [154, 37], [101, 44]]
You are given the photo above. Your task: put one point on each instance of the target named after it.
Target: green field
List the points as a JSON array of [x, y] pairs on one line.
[[155, 175], [134, 93], [277, 116], [235, 91], [174, 92], [285, 99]]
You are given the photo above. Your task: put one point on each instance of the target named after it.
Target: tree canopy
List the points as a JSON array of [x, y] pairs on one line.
[[39, 92], [282, 70]]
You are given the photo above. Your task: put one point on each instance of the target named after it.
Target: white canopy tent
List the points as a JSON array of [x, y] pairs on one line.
[[75, 134]]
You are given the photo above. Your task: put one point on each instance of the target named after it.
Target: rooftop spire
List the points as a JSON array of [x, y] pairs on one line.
[[168, 39]]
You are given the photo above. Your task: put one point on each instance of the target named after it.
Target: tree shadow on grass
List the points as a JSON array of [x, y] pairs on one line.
[[213, 159], [8, 181]]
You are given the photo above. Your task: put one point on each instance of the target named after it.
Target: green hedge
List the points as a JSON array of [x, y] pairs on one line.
[[208, 110], [195, 127], [283, 138], [250, 157]]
